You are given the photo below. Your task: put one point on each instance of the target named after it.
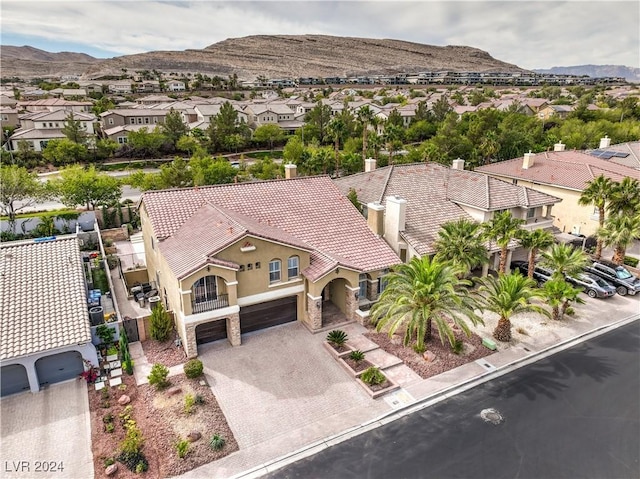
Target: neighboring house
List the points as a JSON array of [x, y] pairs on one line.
[[154, 100], [120, 134], [626, 154], [206, 112], [230, 259], [407, 204], [132, 116], [176, 85], [37, 129], [53, 104], [564, 174], [559, 111], [69, 92], [9, 117], [45, 333], [272, 113], [120, 87], [147, 86]]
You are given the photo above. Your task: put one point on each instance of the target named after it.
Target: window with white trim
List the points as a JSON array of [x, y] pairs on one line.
[[293, 267], [274, 271]]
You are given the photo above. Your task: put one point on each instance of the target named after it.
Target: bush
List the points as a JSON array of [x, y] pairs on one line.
[[217, 442], [158, 376], [106, 334], [337, 337], [161, 323], [199, 399], [372, 376], [135, 461], [183, 448], [457, 347], [570, 311], [112, 261], [193, 368], [631, 261], [189, 402], [133, 440], [356, 356]]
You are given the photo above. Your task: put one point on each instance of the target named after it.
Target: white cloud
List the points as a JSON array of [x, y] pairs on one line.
[[531, 34]]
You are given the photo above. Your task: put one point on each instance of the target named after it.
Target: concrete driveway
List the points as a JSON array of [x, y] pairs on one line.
[[280, 390], [45, 431]]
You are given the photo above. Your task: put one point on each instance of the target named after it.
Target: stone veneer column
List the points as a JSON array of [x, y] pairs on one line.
[[351, 302], [372, 289], [190, 346], [233, 329], [314, 311]]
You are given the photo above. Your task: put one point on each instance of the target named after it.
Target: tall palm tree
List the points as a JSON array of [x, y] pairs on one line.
[[502, 229], [459, 242], [598, 192], [365, 118], [535, 241], [506, 295], [423, 293], [564, 259], [559, 295], [619, 232], [337, 130], [625, 197]]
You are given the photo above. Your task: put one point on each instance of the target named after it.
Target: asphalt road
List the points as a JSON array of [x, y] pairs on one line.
[[573, 415]]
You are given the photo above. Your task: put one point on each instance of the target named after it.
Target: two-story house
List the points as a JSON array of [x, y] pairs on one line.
[[37, 129], [231, 259], [407, 204], [132, 116]]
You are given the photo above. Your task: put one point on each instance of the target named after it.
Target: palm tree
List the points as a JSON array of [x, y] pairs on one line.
[[420, 294], [337, 130], [502, 229], [506, 295], [534, 241], [365, 117], [564, 259], [459, 242], [597, 192], [625, 197], [559, 295], [619, 232]]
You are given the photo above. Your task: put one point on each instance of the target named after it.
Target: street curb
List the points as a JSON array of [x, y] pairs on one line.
[[450, 391]]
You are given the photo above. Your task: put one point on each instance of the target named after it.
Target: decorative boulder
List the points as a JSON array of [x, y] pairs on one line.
[[429, 356], [124, 399], [174, 390], [193, 436], [111, 470]]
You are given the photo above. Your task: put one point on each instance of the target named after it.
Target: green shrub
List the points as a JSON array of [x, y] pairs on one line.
[[100, 280], [337, 337], [199, 399], [142, 466], [193, 368], [133, 440], [189, 402], [372, 376], [183, 448], [631, 261], [217, 442], [128, 365], [419, 349], [356, 356], [135, 461], [108, 461], [158, 376], [570, 311], [457, 347], [109, 427], [161, 323], [106, 334]]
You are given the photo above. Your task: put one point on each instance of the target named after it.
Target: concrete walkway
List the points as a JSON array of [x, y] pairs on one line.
[[142, 367]]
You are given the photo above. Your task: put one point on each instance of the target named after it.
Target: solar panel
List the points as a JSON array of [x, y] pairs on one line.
[[608, 154]]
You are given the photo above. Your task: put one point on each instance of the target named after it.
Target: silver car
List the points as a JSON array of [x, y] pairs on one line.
[[593, 285]]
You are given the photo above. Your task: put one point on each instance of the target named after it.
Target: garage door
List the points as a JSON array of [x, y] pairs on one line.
[[59, 367], [271, 313], [13, 379], [207, 332]]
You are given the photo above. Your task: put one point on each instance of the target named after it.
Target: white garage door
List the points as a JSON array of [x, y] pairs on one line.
[[59, 367], [13, 379]]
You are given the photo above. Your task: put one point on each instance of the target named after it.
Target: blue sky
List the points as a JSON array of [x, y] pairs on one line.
[[530, 34]]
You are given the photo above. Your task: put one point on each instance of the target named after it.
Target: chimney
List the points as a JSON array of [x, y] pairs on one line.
[[458, 164], [559, 146], [369, 164], [394, 221], [605, 142], [290, 171], [375, 218], [528, 161]]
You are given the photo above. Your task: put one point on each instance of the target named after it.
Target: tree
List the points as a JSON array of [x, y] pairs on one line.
[[423, 293], [441, 109], [506, 295], [64, 151], [365, 117], [210, 171], [564, 259], [268, 133], [393, 135], [598, 192], [266, 169], [352, 196], [460, 243], [105, 147], [145, 143], [625, 197], [101, 105], [75, 130], [337, 130], [535, 241], [173, 127], [619, 232], [559, 295], [318, 120], [502, 228], [19, 189], [80, 186], [161, 323], [293, 150]]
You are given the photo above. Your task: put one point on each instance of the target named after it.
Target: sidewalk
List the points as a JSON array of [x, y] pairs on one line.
[[416, 393]]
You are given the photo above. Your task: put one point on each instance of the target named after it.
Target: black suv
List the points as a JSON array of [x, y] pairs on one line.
[[619, 276], [540, 274]]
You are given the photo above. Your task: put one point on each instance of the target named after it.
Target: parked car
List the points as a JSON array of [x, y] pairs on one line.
[[540, 275], [624, 282], [593, 285]]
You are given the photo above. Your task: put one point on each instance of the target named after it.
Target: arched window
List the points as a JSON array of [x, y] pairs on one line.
[[275, 268], [205, 289], [293, 267]]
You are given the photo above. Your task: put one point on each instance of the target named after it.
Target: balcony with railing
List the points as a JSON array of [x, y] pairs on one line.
[[201, 306], [538, 222]]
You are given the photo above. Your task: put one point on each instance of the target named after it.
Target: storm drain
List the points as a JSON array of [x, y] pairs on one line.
[[491, 415], [488, 366]]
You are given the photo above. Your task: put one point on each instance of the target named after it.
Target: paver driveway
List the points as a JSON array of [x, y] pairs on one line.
[[52, 425], [280, 390]]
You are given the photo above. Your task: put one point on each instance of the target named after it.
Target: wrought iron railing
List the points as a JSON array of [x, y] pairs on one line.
[[221, 301]]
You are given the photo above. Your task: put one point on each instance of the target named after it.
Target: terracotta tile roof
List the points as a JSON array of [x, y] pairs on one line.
[[43, 304], [432, 190], [565, 169], [307, 213]]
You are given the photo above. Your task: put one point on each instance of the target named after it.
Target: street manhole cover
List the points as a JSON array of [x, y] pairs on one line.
[[491, 415]]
